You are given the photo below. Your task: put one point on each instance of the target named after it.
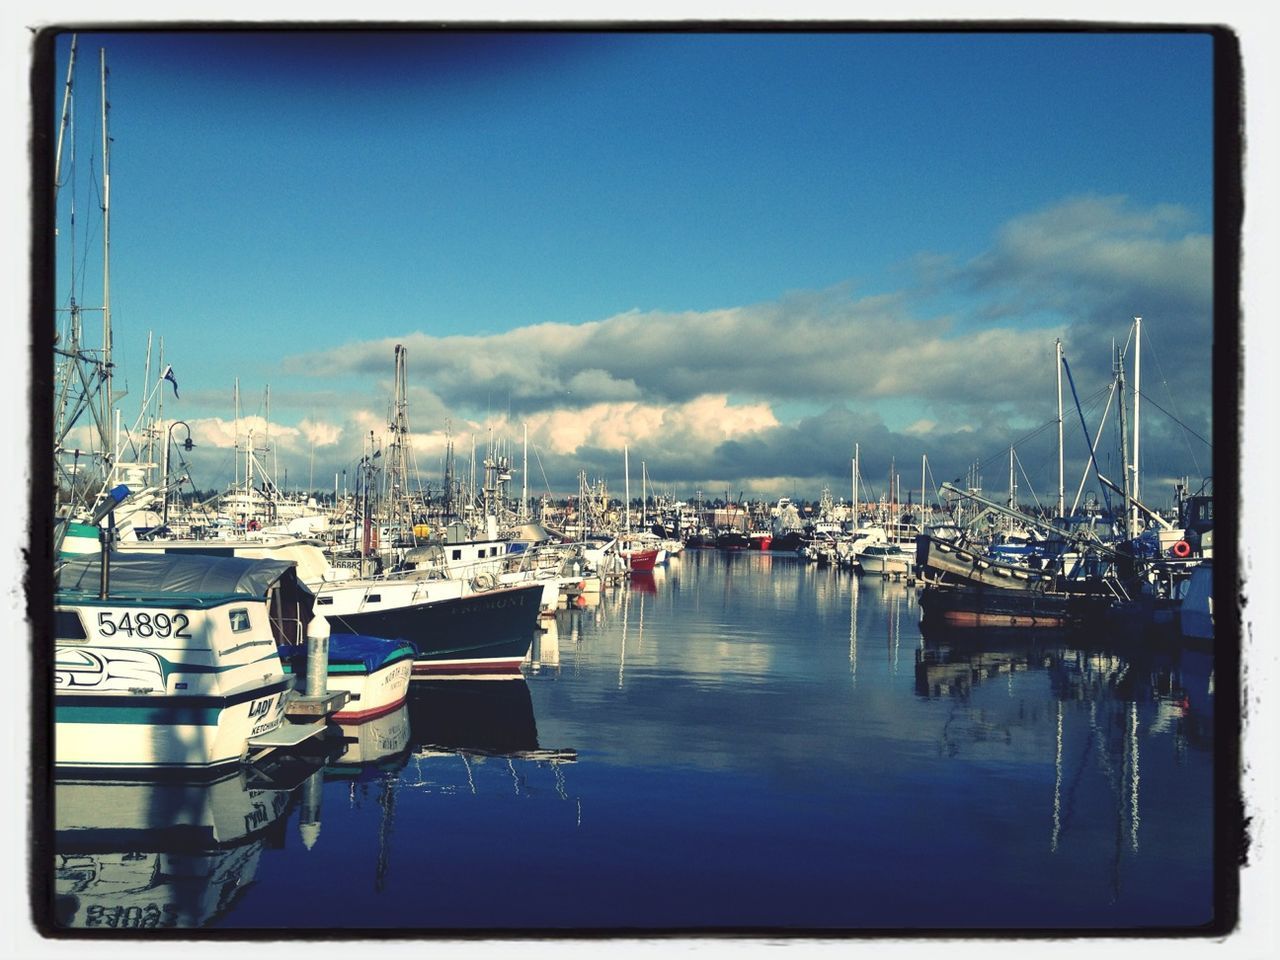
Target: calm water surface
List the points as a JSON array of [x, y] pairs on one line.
[[739, 741]]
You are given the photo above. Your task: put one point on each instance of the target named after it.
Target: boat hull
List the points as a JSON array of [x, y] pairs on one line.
[[373, 672], [791, 541], [732, 540], [642, 561], [487, 632], [988, 608], [947, 562], [157, 732]]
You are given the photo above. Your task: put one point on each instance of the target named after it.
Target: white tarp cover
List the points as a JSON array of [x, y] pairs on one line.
[[148, 574]]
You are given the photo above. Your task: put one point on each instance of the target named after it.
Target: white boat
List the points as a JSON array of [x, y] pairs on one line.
[[374, 673], [884, 558], [176, 666]]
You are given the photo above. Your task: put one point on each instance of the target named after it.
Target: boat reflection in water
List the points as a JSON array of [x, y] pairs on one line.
[[459, 725], [159, 854], [544, 652], [382, 742], [1107, 713]]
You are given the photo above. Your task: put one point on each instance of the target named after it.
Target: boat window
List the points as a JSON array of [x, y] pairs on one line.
[[324, 601], [239, 620], [457, 554], [68, 626], [374, 598]]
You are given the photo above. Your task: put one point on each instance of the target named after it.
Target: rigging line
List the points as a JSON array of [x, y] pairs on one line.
[[1018, 460], [1207, 443], [1089, 400], [1083, 426], [540, 468], [1023, 439], [1173, 403]]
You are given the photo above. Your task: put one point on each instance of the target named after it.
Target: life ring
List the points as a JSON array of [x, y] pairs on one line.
[[482, 582], [1182, 549]]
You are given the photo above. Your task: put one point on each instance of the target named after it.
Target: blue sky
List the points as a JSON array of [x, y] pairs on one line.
[[737, 253]]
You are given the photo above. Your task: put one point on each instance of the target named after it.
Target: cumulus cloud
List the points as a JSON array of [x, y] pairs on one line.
[[699, 393]]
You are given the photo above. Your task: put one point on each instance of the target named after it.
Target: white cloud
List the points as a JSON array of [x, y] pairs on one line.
[[702, 390]]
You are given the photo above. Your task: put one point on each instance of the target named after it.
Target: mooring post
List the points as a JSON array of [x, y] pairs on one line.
[[318, 657]]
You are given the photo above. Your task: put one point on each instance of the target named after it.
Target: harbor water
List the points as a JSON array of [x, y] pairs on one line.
[[739, 741]]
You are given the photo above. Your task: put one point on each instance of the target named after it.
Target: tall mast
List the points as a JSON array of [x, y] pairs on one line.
[[524, 477], [626, 483], [644, 499], [108, 400], [1013, 485], [856, 484], [275, 466], [397, 472], [1124, 444], [236, 437], [1058, 367], [1137, 392], [923, 458], [66, 117], [448, 468]]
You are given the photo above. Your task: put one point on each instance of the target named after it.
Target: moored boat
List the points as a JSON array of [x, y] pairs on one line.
[[457, 628], [884, 558], [730, 539], [373, 671], [641, 561], [998, 607], [174, 665]]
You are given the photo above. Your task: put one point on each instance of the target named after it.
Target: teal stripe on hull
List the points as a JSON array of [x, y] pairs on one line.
[[141, 716]]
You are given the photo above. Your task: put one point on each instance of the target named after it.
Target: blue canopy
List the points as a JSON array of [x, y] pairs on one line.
[[352, 649]]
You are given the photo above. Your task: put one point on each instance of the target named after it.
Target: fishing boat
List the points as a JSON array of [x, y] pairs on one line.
[[457, 627], [170, 662], [373, 671], [640, 561], [640, 545], [983, 606], [730, 538]]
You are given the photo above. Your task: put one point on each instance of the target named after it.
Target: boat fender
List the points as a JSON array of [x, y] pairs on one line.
[[1182, 549], [482, 582]]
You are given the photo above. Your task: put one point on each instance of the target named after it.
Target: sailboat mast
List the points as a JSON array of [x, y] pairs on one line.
[[856, 479], [1124, 443], [626, 484], [235, 485], [1058, 367], [107, 398], [1137, 393], [923, 458], [524, 477], [644, 499], [1013, 489]]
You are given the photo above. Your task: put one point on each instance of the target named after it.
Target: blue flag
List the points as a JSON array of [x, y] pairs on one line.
[[168, 375]]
